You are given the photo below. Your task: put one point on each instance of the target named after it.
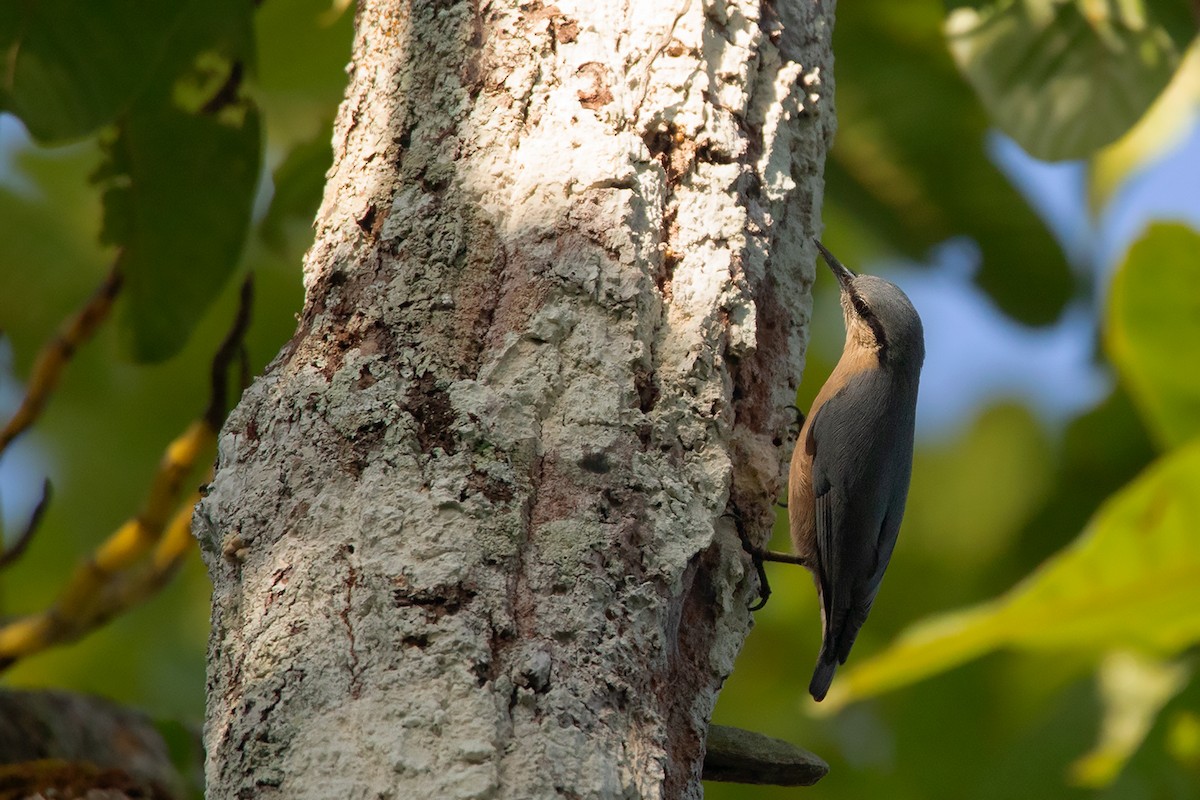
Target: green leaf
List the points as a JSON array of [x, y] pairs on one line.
[[184, 159], [1131, 580], [1063, 78], [178, 202], [1161, 129], [1176, 17], [909, 170], [68, 68], [1153, 316]]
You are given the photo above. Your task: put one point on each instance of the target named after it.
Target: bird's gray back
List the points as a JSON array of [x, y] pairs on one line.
[[863, 442]]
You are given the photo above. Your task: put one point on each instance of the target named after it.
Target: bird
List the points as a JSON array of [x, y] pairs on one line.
[[851, 467]]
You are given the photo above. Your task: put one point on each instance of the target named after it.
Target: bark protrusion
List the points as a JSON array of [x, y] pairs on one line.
[[438, 601], [735, 755]]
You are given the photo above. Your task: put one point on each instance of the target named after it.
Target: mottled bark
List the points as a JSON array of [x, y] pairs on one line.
[[475, 532]]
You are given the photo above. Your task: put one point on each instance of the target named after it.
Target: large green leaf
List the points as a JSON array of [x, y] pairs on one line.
[[1100, 452], [67, 68], [1131, 580], [1064, 78], [184, 146], [178, 203], [1153, 326], [909, 169], [180, 177]]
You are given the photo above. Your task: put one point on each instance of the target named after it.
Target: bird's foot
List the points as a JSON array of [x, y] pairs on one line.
[[783, 558], [760, 556]]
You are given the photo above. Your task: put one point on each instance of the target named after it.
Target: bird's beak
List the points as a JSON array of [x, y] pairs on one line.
[[843, 275]]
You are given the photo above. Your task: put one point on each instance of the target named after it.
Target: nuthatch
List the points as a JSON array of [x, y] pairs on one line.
[[852, 463]]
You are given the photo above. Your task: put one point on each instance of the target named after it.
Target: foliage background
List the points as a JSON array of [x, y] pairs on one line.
[[107, 424], [989, 503]]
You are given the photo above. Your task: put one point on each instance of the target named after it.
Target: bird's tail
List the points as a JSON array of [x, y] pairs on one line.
[[827, 664]]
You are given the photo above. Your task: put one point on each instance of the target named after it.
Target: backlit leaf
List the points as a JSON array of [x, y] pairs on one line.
[[1134, 689], [1063, 78], [1154, 312], [1160, 129]]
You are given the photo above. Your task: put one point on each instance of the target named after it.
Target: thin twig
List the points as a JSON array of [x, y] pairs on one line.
[[11, 554], [214, 415]]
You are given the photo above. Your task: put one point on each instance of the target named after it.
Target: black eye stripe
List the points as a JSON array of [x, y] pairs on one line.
[[868, 316], [860, 306]]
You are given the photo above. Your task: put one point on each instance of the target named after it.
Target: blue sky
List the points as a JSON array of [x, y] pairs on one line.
[[976, 354]]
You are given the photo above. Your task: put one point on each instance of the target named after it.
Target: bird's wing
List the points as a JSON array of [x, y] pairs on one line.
[[861, 462]]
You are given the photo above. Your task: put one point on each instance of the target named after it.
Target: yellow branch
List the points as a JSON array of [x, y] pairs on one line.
[[80, 608], [176, 542], [107, 583], [57, 352]]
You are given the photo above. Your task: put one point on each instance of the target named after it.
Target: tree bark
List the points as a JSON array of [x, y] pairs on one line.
[[475, 533]]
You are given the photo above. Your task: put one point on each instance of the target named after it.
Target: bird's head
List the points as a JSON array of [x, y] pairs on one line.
[[878, 315]]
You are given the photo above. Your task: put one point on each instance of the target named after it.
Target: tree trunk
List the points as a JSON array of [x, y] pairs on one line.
[[475, 533]]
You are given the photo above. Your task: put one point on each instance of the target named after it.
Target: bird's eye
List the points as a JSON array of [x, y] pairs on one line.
[[860, 306]]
